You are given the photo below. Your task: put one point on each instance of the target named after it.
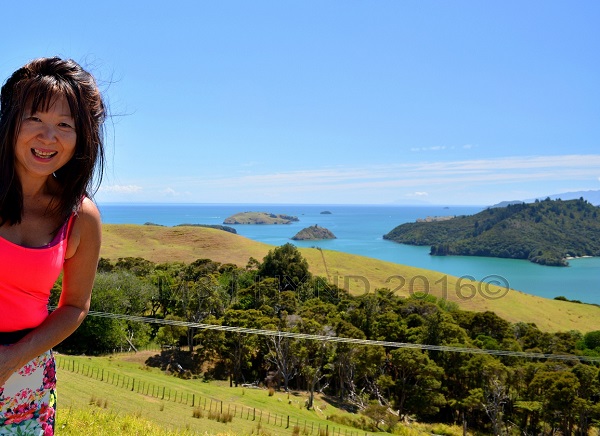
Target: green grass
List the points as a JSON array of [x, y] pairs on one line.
[[120, 407]]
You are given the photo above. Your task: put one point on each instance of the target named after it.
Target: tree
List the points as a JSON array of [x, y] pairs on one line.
[[171, 334], [196, 300], [282, 354], [416, 382], [119, 292], [345, 360], [314, 355], [592, 339], [286, 264], [557, 390], [239, 349]]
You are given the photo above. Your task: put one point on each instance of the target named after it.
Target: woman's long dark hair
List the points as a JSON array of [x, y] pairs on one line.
[[36, 85]]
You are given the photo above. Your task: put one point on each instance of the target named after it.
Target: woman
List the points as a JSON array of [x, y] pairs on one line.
[[51, 116]]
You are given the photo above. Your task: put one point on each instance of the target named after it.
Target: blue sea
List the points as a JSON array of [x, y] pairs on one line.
[[359, 230]]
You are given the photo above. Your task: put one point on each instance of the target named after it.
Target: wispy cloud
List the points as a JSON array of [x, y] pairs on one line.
[[500, 170], [436, 181], [121, 189], [418, 194], [434, 148], [170, 192]]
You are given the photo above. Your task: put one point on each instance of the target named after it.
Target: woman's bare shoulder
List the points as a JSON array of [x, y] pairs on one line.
[[87, 227]]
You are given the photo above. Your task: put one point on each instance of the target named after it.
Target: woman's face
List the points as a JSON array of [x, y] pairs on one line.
[[46, 140]]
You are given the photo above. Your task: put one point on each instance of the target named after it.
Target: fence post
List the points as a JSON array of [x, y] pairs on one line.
[[193, 399], [254, 414], [288, 422]]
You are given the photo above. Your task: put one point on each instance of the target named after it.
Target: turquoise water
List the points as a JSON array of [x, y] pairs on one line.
[[359, 230]]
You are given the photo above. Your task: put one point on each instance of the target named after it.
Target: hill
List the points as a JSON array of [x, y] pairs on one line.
[[358, 274], [546, 232], [185, 407]]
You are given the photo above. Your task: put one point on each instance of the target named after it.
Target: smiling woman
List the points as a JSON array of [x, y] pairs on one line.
[[46, 140], [51, 116]]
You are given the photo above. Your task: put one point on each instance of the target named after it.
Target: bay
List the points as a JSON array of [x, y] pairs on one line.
[[359, 230]]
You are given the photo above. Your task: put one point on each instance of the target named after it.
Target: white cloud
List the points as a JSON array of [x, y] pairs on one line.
[[170, 192], [437, 181], [434, 148], [121, 189], [501, 170]]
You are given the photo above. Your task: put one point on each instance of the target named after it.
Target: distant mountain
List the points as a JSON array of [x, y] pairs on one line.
[[547, 232], [592, 196], [509, 203]]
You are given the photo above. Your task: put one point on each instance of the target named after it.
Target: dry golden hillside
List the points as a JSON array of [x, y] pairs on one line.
[[356, 273]]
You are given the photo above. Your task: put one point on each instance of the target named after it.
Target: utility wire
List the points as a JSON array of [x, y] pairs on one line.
[[338, 339]]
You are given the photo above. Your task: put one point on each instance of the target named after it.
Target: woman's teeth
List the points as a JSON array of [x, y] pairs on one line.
[[43, 154]]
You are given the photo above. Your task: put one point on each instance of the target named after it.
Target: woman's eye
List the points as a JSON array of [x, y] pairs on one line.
[[32, 118], [65, 125]]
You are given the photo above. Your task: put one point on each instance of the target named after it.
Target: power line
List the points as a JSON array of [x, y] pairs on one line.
[[339, 339]]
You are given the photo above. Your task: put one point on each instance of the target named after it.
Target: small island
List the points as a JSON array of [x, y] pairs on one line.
[[313, 233], [211, 226], [260, 218], [326, 212]]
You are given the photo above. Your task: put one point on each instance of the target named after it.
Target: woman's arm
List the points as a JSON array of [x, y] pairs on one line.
[[79, 271]]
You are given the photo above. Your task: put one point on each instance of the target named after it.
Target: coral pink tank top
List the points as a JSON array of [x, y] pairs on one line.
[[26, 278]]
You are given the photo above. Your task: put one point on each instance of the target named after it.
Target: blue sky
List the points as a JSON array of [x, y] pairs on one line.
[[332, 102]]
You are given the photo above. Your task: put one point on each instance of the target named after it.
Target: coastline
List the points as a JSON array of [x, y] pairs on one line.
[[359, 230]]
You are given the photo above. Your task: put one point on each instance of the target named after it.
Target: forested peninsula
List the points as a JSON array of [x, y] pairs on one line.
[[546, 232]]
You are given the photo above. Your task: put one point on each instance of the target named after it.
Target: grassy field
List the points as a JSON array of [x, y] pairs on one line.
[[111, 395], [358, 274]]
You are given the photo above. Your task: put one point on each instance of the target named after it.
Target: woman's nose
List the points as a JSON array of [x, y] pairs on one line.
[[47, 133]]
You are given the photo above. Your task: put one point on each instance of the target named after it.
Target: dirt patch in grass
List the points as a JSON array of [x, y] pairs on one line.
[[139, 357]]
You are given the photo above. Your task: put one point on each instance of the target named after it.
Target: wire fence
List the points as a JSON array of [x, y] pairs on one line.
[[204, 406], [340, 339]]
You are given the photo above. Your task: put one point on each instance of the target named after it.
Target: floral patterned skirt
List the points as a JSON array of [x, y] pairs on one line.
[[28, 399]]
